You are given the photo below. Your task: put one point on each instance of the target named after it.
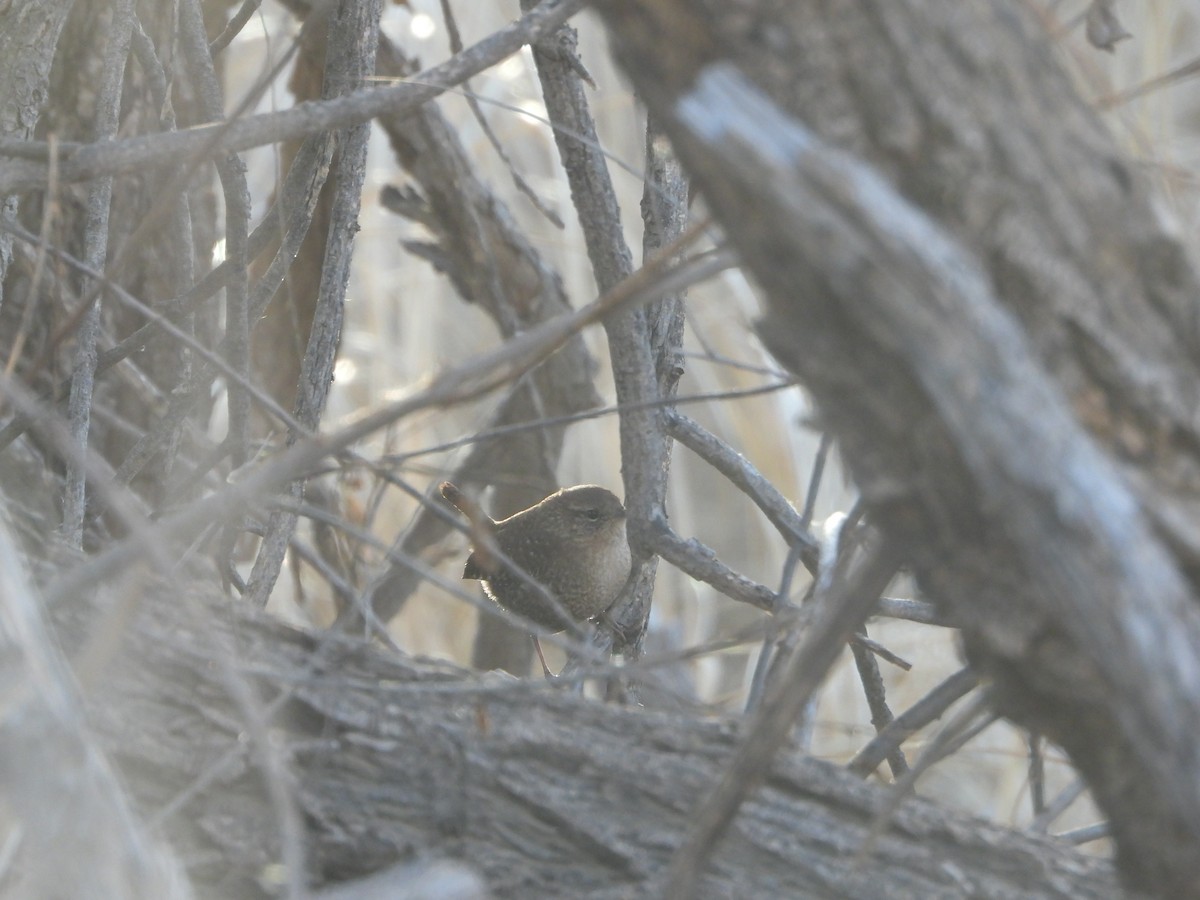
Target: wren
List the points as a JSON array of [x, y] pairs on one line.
[[572, 543]]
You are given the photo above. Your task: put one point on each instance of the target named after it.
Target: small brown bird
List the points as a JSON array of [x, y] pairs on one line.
[[572, 543]]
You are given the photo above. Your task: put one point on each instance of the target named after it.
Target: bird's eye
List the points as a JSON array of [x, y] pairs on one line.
[[591, 514]]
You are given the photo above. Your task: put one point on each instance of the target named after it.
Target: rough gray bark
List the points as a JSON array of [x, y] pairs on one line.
[[1004, 343], [542, 792], [28, 34]]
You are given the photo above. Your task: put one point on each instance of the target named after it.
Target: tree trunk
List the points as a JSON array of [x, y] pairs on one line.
[[543, 792], [1000, 331]]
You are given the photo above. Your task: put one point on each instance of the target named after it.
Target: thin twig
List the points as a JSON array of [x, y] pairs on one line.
[[85, 161], [875, 692], [743, 475], [966, 724], [1056, 807], [350, 58], [928, 709], [107, 120], [700, 562], [1086, 834], [234, 26], [1037, 774], [841, 608], [644, 447]]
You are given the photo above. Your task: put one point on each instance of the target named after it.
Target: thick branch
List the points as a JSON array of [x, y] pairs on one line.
[[958, 393], [543, 793]]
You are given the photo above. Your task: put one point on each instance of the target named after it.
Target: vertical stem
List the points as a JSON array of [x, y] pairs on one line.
[[79, 409], [644, 448], [349, 61], [232, 172]]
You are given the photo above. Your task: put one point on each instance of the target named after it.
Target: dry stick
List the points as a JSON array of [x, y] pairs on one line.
[[861, 640], [664, 217], [928, 709], [912, 611], [840, 606], [770, 647], [872, 682], [31, 35], [350, 58], [773, 638], [1086, 834], [701, 563], [744, 476], [108, 114], [876, 694], [963, 727], [1058, 806], [19, 172], [51, 209], [814, 481], [1189, 69], [232, 172], [236, 23], [644, 446], [1037, 774], [487, 434]]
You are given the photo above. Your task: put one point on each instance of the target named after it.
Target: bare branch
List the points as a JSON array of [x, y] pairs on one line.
[[82, 162]]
